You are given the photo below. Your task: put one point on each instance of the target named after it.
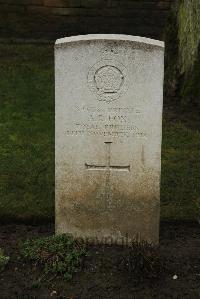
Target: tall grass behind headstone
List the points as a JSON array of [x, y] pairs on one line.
[[189, 51], [183, 53], [188, 33]]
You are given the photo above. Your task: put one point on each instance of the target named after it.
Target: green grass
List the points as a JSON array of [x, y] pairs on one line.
[[180, 186], [27, 142], [26, 131]]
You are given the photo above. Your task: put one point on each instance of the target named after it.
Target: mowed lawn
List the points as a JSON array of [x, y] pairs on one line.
[[27, 142], [26, 131]]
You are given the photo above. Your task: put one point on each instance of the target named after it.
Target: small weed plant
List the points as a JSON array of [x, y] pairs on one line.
[[59, 255], [143, 260], [3, 260]]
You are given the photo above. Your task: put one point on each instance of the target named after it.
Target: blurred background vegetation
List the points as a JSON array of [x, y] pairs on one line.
[[27, 124], [182, 37]]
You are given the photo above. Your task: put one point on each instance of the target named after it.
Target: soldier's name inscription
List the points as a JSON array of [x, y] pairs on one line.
[[108, 121]]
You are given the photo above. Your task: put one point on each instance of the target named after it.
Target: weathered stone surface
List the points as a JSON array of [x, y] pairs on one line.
[[108, 137]]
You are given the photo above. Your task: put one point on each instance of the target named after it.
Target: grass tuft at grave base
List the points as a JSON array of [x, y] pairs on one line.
[[27, 142], [56, 256], [61, 256], [143, 260]]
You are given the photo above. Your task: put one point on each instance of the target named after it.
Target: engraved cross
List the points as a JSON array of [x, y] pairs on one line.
[[107, 167]]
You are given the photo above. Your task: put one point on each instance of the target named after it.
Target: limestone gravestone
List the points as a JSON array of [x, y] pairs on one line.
[[108, 137]]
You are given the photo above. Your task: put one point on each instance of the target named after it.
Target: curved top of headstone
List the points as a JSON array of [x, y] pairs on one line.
[[110, 37]]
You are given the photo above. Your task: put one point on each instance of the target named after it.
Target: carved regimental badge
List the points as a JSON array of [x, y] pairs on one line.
[[108, 80]]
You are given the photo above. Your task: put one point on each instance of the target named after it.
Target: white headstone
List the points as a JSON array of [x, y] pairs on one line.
[[109, 91]]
